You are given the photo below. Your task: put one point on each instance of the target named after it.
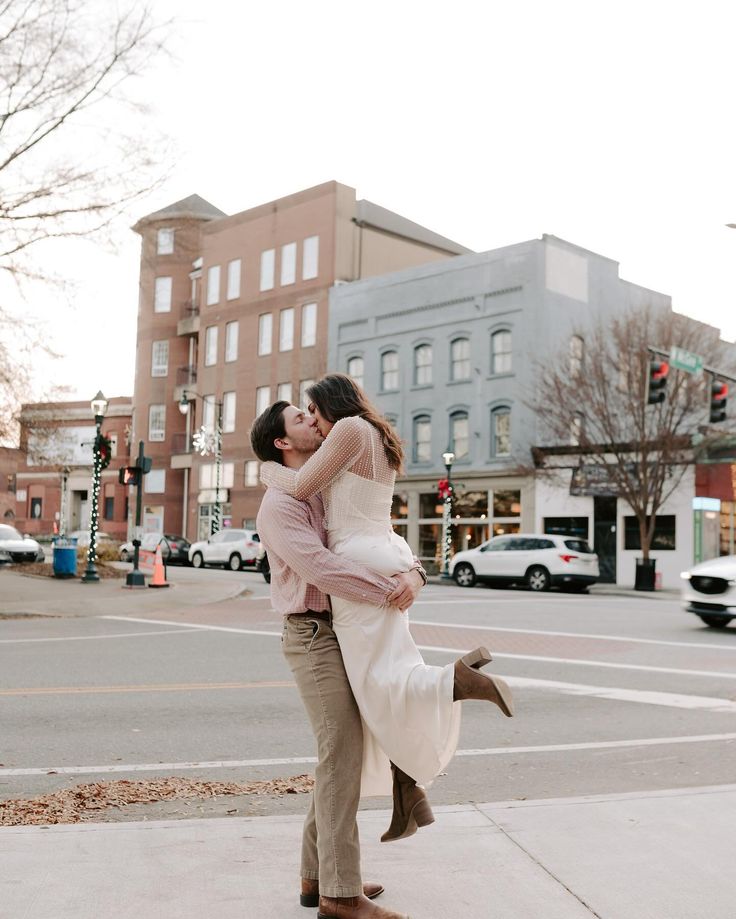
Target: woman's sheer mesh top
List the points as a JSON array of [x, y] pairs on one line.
[[353, 445]]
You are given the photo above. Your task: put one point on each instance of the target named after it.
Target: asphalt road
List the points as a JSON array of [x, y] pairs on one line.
[[613, 694]]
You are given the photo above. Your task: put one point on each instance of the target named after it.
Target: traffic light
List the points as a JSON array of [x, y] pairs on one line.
[[658, 371], [129, 475], [718, 398]]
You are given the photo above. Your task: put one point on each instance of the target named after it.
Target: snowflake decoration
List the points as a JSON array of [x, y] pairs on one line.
[[205, 441]]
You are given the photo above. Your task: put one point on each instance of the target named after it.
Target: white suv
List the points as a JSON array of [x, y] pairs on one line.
[[230, 548], [538, 560]]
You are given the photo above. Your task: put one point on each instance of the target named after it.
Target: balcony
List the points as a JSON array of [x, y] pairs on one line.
[[189, 323], [186, 378], [181, 451]]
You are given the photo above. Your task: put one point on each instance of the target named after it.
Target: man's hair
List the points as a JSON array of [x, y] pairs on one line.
[[268, 427]]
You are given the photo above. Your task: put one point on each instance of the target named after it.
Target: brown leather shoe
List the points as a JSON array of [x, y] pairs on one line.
[[354, 908], [411, 807], [310, 892], [471, 684]]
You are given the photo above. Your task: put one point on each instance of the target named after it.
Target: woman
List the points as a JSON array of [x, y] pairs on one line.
[[411, 724]]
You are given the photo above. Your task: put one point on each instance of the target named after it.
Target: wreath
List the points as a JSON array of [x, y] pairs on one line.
[[104, 448]]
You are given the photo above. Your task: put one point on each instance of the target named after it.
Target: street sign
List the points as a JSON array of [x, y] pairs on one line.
[[686, 360]]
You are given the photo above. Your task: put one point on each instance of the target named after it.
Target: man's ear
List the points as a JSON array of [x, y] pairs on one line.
[[282, 444]]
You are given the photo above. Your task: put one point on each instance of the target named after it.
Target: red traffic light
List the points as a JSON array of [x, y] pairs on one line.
[[718, 399], [658, 371]]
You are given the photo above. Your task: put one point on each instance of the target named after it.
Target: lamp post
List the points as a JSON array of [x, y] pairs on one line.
[[447, 459], [99, 407], [208, 443]]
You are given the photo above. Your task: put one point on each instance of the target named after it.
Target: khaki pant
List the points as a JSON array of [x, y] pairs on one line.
[[330, 843]]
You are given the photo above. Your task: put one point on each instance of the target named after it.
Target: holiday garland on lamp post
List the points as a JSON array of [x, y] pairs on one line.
[[101, 452]]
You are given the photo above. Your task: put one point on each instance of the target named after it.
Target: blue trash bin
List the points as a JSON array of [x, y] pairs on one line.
[[65, 557]]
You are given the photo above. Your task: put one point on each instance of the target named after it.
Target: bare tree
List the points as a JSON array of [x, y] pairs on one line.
[[76, 146], [596, 403]]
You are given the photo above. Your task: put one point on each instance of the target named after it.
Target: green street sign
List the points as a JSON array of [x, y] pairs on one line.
[[681, 359]]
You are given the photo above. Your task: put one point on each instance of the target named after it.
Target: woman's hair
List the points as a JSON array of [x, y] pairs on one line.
[[338, 396]]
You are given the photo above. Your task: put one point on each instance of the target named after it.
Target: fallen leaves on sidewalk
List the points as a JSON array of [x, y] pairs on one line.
[[84, 802]]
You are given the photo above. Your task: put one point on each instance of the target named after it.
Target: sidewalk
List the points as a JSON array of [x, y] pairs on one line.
[[597, 590], [20, 594], [659, 855]]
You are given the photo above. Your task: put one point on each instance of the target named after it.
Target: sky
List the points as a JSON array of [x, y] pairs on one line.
[[609, 124]]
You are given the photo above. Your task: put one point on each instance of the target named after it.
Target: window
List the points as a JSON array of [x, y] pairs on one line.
[[566, 526], [303, 387], [113, 444], [233, 279], [210, 346], [423, 365], [501, 352], [460, 359], [268, 263], [422, 439], [156, 423], [309, 325], [208, 475], [109, 510], [459, 443], [208, 413], [213, 285], [288, 264], [36, 508], [664, 533], [501, 431], [265, 333], [507, 503], [154, 483], [250, 479], [286, 330], [159, 358], [263, 399], [283, 391], [577, 353], [164, 246], [310, 258], [231, 341], [355, 369], [390, 370], [228, 412], [162, 296]]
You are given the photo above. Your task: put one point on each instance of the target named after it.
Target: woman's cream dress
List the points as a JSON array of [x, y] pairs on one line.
[[409, 717]]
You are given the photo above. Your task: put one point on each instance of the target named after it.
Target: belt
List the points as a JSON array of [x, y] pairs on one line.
[[311, 614]]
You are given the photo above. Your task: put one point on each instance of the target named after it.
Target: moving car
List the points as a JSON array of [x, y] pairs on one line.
[[229, 548], [174, 549], [538, 560], [17, 548], [709, 590]]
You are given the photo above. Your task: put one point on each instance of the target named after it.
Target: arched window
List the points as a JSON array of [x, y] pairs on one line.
[[459, 435], [389, 370], [577, 355], [501, 431], [501, 352], [423, 365], [422, 439], [460, 359], [356, 369]]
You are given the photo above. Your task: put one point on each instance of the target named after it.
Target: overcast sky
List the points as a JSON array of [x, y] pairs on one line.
[[608, 124]]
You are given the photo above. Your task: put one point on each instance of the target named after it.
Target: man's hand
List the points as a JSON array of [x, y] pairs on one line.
[[410, 583]]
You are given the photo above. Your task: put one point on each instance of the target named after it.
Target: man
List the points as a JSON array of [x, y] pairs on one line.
[[303, 574]]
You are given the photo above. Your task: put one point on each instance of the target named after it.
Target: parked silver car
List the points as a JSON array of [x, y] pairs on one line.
[[17, 548], [709, 590]]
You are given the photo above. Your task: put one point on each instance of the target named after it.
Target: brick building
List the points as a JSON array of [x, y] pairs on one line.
[[233, 314], [10, 457]]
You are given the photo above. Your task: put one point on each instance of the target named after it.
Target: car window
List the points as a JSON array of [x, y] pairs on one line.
[[234, 536], [217, 537], [520, 545], [498, 545], [578, 545], [543, 544]]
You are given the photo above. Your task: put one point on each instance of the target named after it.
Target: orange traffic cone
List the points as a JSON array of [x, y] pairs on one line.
[[159, 577]]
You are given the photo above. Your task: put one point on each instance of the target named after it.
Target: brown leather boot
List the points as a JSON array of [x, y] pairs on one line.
[[354, 908], [471, 684], [411, 807], [310, 892]]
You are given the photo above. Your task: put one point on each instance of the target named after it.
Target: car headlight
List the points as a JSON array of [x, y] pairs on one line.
[[685, 575]]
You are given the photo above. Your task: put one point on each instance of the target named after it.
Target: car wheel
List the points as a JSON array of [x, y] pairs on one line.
[[716, 622], [537, 578], [235, 562], [464, 575], [197, 560]]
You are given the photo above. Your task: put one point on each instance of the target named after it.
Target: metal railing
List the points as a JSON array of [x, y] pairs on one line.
[[186, 376]]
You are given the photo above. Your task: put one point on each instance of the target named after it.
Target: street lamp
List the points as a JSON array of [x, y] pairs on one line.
[[447, 459], [99, 407], [208, 443]]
